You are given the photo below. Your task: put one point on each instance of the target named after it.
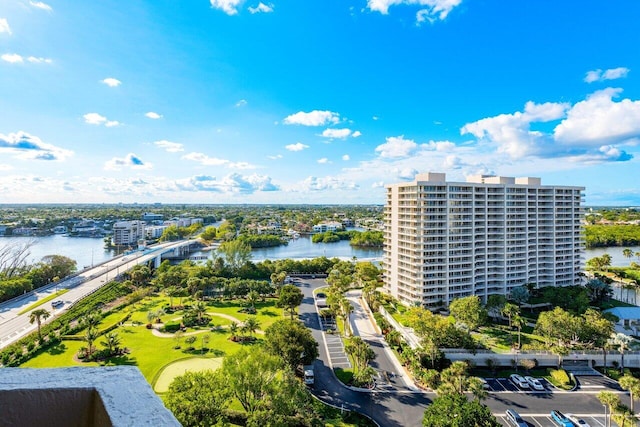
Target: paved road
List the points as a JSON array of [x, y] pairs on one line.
[[14, 326], [387, 409], [405, 408]]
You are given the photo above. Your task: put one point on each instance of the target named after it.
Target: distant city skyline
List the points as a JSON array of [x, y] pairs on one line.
[[291, 102]]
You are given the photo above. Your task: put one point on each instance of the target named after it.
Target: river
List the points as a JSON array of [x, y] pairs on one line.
[[88, 251]]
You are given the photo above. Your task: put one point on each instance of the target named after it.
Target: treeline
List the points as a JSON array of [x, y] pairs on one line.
[[262, 240], [17, 281], [369, 239], [612, 235]]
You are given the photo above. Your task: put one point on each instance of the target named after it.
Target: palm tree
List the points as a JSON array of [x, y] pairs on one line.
[[476, 386], [510, 310], [346, 309], [622, 341], [632, 384], [627, 253], [91, 319], [611, 400], [38, 316], [199, 309], [233, 330], [111, 342], [90, 336], [251, 325], [252, 299], [454, 379], [519, 322]]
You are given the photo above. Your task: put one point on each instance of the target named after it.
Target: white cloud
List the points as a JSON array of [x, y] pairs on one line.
[[298, 146], [512, 133], [4, 26], [432, 11], [606, 153], [97, 119], [615, 73], [276, 157], [336, 133], [356, 134], [610, 74], [129, 161], [231, 184], [230, 7], [261, 8], [12, 58], [396, 146], [241, 103], [28, 147], [111, 82], [377, 184], [39, 60], [171, 147], [153, 115], [452, 162], [205, 160], [346, 158], [41, 5], [599, 120], [406, 173], [313, 183], [15, 58], [323, 161], [312, 118], [375, 118]]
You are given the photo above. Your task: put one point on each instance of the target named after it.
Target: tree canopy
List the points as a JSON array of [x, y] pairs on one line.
[[455, 410], [292, 341]]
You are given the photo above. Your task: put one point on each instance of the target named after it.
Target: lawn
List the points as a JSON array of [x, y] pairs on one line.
[[500, 339], [147, 351], [266, 312]]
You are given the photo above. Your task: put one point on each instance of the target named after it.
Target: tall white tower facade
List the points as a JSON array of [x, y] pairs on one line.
[[447, 240]]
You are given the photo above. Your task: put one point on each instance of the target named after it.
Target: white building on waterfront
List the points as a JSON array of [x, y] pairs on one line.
[[128, 232], [323, 227], [447, 240]]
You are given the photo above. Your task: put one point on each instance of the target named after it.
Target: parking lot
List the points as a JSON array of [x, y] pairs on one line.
[[504, 384], [544, 420]]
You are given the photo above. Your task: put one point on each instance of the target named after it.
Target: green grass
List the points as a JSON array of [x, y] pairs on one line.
[[266, 312], [500, 339], [44, 300], [179, 367], [148, 352]]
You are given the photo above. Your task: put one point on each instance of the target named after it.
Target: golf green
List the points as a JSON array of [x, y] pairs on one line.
[[179, 367]]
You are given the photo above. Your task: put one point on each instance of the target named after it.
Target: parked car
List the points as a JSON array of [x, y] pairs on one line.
[[514, 419], [560, 419], [534, 383], [57, 303], [485, 384], [577, 421], [519, 381]]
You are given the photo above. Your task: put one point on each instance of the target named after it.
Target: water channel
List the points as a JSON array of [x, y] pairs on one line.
[[89, 251]]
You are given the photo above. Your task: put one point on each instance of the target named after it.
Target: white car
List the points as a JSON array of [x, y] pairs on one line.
[[577, 421], [519, 381], [534, 383]]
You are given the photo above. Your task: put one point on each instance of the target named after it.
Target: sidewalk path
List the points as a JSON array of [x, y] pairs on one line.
[[386, 363]]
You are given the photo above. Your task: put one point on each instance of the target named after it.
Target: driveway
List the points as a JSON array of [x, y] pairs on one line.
[[385, 408]]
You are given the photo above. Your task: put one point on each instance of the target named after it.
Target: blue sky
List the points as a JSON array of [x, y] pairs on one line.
[[290, 101]]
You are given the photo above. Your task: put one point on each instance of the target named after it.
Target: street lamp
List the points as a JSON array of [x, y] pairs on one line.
[[608, 424]]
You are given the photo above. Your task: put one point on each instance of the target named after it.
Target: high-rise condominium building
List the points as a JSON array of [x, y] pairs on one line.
[[447, 240]]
